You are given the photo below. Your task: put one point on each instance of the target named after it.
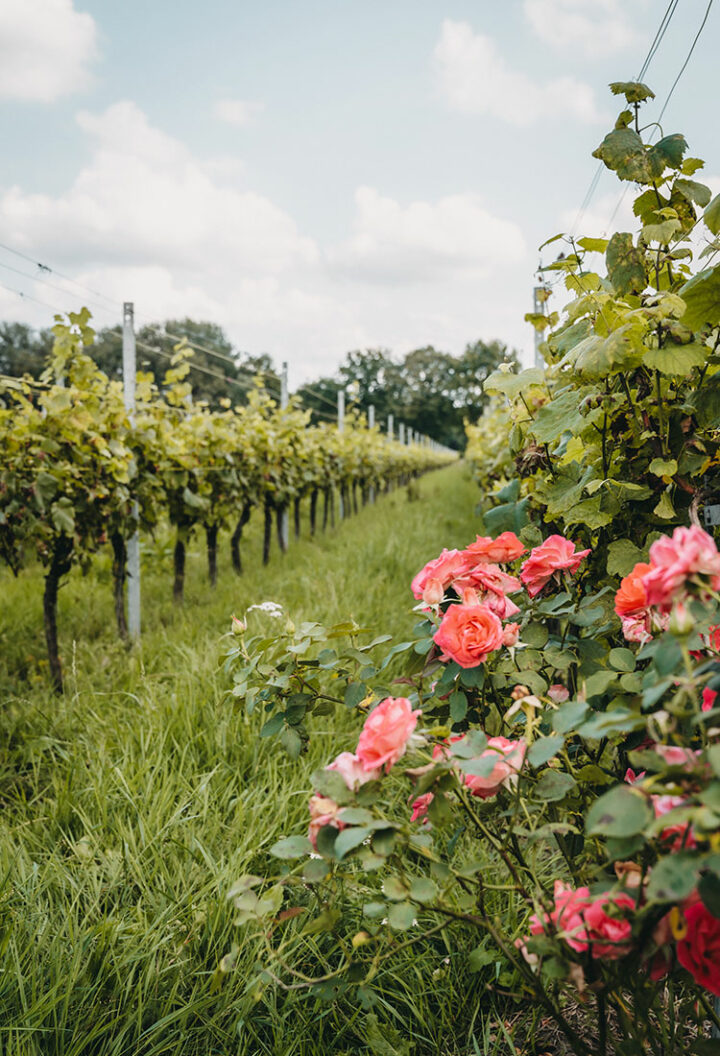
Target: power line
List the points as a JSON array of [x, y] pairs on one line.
[[44, 282], [60, 274], [675, 83], [28, 297], [316, 394], [196, 366], [687, 60], [657, 40]]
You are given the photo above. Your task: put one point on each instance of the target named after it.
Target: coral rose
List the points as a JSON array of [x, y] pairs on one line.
[[352, 770], [555, 554], [468, 634], [631, 598], [688, 553], [386, 732], [444, 569], [585, 923], [507, 547], [699, 951]]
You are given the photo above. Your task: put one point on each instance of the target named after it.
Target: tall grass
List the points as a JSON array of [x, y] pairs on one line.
[[131, 804]]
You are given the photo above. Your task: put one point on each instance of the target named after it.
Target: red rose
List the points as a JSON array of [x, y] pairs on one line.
[[699, 951]]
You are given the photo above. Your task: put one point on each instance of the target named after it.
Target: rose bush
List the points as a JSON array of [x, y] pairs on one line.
[[545, 801]]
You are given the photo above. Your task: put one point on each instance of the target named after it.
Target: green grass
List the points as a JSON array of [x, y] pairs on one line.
[[131, 804]]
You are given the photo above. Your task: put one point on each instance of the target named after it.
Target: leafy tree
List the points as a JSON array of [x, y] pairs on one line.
[[430, 391], [23, 350]]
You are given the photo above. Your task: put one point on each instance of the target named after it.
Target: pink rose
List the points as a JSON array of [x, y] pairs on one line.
[[509, 755], [444, 569], [676, 756], [680, 832], [585, 923], [420, 806], [468, 634], [352, 771], [558, 693], [553, 555], [488, 579], [507, 547], [689, 553], [511, 634], [387, 730], [636, 628], [323, 811]]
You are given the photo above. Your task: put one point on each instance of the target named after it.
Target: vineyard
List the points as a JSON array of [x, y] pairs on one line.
[[79, 472], [415, 751]]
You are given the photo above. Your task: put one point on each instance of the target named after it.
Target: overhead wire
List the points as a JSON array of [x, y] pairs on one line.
[[29, 297], [318, 395], [668, 97], [45, 282], [60, 274], [657, 40], [687, 60]]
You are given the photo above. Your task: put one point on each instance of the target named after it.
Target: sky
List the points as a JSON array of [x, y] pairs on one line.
[[321, 176]]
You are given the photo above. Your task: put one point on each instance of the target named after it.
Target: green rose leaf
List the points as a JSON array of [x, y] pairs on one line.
[[349, 838], [423, 889], [554, 785], [570, 715], [545, 749], [622, 659], [673, 878], [355, 693], [292, 847], [401, 916], [623, 811]]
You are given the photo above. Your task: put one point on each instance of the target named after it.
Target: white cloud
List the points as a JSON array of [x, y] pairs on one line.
[[46, 48], [474, 78], [237, 111], [145, 220], [426, 240], [143, 196], [583, 24]]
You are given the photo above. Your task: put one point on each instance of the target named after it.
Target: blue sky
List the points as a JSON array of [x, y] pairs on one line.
[[321, 176]]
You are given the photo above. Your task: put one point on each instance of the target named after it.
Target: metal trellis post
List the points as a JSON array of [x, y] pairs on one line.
[[133, 544]]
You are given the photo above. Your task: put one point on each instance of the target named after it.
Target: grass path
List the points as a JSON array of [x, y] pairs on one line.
[[132, 803]]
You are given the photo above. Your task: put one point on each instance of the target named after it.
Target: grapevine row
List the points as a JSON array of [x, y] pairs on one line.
[[77, 473]]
